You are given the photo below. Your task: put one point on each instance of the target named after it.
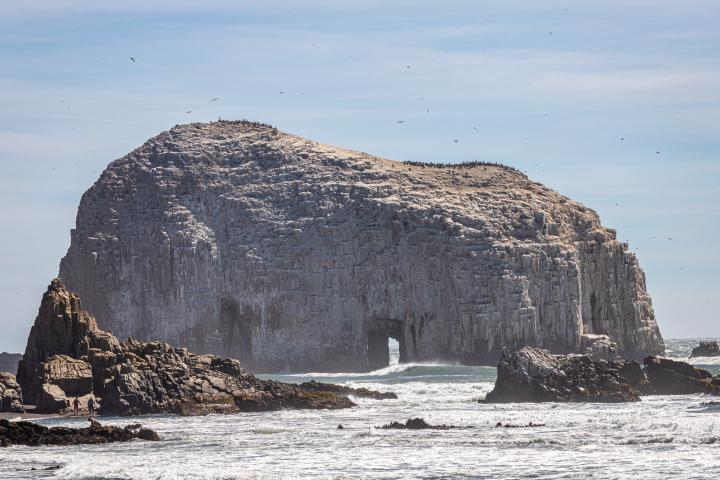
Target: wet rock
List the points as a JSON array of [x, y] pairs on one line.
[[415, 424], [51, 399], [315, 386], [32, 434], [148, 434], [706, 349], [11, 397], [670, 377], [136, 377], [535, 375]]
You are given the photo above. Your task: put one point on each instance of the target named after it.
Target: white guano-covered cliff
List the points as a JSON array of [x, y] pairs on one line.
[[238, 239]]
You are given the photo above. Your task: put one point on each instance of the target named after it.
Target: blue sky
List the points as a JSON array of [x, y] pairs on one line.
[[548, 87]]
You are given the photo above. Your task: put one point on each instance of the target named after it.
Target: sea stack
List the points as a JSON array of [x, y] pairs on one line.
[[238, 239]]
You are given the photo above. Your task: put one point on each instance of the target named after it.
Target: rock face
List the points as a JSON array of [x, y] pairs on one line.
[[706, 349], [11, 399], [68, 354], [535, 375], [32, 434], [240, 240]]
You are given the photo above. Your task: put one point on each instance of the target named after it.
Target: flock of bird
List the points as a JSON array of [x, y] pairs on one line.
[[399, 122]]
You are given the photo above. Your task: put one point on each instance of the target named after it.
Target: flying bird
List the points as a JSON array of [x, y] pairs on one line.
[[658, 153], [622, 139], [214, 99], [132, 59], [189, 112], [401, 121], [456, 140]]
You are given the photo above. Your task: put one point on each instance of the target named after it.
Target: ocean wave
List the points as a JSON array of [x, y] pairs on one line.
[[383, 372], [698, 360]]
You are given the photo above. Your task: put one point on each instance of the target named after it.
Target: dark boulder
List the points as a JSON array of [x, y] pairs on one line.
[[415, 424], [535, 375], [32, 434], [706, 349], [670, 377]]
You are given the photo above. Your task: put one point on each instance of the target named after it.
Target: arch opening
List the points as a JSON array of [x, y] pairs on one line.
[[386, 336]]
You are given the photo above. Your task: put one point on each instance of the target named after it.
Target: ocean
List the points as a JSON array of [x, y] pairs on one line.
[[660, 437]]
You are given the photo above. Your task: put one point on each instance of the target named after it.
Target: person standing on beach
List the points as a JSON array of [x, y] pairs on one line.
[[76, 406], [91, 407]]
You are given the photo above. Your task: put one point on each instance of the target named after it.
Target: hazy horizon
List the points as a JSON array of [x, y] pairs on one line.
[[616, 106]]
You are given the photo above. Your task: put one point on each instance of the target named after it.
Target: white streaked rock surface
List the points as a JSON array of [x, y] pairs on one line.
[[241, 240]]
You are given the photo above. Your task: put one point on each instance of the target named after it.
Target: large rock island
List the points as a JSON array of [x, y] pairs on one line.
[[68, 356], [237, 239]]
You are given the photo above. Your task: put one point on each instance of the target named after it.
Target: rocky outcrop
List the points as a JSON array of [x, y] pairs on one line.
[[670, 377], [706, 349], [11, 398], [67, 353], [9, 362], [33, 434], [237, 239], [535, 375], [61, 328]]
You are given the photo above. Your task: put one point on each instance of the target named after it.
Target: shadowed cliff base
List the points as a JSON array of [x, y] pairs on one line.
[[238, 239]]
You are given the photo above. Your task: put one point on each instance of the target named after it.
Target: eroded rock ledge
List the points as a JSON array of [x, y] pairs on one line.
[[67, 355], [706, 349], [535, 375]]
